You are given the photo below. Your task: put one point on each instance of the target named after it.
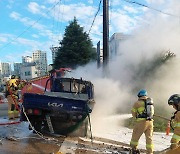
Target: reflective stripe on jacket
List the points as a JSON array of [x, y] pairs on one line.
[[176, 137], [138, 108], [176, 124]]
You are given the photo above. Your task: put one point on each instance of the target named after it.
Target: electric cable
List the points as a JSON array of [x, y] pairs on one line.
[[27, 29], [95, 16], [37, 132], [143, 5]]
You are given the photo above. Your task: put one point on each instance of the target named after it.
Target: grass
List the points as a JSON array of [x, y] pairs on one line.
[[159, 124]]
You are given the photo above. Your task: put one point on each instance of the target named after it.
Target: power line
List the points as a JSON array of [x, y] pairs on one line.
[[95, 16], [143, 5], [29, 26]]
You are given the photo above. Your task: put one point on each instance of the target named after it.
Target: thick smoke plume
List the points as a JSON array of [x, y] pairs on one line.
[[137, 67]]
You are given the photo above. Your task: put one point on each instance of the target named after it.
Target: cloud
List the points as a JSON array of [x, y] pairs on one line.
[[116, 2], [130, 9], [155, 1], [29, 46], [90, 1], [42, 29], [21, 41], [35, 36], [35, 8], [15, 15], [52, 1], [80, 10], [121, 22], [3, 39], [27, 42], [26, 21], [10, 4]]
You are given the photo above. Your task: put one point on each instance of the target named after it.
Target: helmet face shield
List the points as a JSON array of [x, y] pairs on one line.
[[170, 102]]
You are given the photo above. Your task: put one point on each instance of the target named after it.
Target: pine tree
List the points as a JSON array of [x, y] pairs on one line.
[[76, 47]]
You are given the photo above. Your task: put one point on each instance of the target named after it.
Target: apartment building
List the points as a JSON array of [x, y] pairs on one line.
[[28, 71], [40, 59], [5, 69], [26, 59], [17, 69], [54, 51], [115, 43]]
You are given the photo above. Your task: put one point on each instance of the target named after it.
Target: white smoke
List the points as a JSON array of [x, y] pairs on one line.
[[162, 33]]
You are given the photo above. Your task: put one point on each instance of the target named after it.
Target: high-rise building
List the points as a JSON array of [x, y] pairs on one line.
[[5, 69], [40, 59], [54, 51], [17, 68], [26, 59]]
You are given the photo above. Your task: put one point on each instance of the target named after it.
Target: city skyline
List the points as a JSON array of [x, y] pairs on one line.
[[39, 25], [27, 26]]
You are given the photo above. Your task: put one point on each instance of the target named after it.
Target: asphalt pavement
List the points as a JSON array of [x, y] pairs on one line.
[[3, 109]]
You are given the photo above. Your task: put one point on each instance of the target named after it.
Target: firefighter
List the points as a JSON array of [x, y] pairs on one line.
[[12, 97], [143, 123], [174, 100]]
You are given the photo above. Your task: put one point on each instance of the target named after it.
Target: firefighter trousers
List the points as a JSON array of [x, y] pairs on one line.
[[141, 127], [12, 111]]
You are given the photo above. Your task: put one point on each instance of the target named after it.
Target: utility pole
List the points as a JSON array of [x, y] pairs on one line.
[[105, 35], [98, 55]]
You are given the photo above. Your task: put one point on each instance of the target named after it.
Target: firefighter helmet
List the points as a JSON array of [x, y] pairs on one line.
[[174, 99], [13, 76], [142, 93]]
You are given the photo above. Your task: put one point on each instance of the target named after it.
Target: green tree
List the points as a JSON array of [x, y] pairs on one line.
[[76, 48]]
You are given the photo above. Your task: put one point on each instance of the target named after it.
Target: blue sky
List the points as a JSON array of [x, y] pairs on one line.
[[28, 25]]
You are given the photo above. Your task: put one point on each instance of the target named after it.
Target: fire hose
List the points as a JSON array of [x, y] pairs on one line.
[[161, 117], [169, 123], [10, 123]]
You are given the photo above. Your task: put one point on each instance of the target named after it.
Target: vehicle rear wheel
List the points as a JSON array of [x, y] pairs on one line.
[[36, 123], [82, 130]]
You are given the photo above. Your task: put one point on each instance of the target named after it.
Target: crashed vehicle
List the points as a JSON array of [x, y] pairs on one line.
[[63, 108]]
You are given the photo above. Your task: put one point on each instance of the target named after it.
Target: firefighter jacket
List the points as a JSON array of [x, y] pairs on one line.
[[21, 84], [139, 108], [12, 87], [12, 82], [176, 136]]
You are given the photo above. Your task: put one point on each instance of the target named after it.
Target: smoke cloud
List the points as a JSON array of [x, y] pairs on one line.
[[131, 70]]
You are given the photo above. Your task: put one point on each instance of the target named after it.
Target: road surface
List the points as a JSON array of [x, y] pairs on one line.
[[18, 139]]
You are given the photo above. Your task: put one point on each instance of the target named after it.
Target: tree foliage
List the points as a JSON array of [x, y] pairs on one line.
[[147, 69], [76, 47]]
